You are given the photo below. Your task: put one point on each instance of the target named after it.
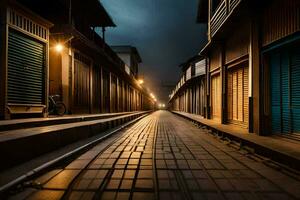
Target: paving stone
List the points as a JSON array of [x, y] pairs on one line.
[[224, 185], [144, 183], [113, 184], [207, 185], [129, 174], [146, 162], [126, 184], [133, 161], [78, 164], [143, 195], [62, 180], [122, 161], [123, 195], [108, 195], [117, 174], [145, 174], [46, 177], [76, 195], [46, 195]]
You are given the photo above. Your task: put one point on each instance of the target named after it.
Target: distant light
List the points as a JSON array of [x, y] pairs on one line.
[[163, 105], [59, 47], [140, 81]]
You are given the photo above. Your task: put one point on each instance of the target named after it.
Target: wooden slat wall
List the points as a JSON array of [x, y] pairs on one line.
[[215, 58], [229, 96], [246, 96], [82, 87], [237, 96], [237, 45], [216, 96], [280, 19], [96, 89]]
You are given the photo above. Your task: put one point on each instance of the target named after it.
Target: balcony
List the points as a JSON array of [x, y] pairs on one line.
[[220, 15]]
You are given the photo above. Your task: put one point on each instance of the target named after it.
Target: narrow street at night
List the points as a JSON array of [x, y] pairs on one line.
[[164, 156], [149, 99]]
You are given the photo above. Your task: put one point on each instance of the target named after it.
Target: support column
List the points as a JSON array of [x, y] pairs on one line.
[[254, 79], [3, 61]]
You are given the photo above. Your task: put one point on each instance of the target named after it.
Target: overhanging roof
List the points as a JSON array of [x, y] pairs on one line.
[[190, 61], [92, 11], [127, 49]]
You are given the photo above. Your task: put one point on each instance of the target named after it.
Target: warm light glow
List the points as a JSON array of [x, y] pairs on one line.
[[140, 81], [59, 47], [152, 95], [163, 105]]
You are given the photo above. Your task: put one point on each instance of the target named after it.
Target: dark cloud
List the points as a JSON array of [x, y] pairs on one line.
[[165, 33]]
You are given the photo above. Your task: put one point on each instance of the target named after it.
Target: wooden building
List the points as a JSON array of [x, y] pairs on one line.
[[24, 61], [280, 52], [253, 64], [75, 62], [190, 92]]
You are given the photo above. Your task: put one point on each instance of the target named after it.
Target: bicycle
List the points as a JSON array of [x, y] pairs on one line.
[[56, 107]]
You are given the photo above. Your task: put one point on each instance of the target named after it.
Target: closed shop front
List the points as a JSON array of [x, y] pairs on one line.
[[26, 70], [113, 94], [216, 97], [81, 84], [237, 95], [96, 97], [202, 97], [106, 91], [284, 66], [25, 64]]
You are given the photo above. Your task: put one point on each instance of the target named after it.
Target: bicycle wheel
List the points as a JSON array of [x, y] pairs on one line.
[[60, 108]]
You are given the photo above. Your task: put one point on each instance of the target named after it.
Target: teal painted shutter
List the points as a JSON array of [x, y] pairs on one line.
[[26, 65], [295, 86], [275, 92], [285, 93]]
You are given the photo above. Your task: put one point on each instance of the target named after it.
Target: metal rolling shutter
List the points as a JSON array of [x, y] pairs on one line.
[[285, 93], [26, 70], [275, 92], [295, 93]]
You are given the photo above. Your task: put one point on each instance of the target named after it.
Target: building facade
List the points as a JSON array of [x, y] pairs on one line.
[[54, 48], [189, 94], [253, 64], [24, 60]]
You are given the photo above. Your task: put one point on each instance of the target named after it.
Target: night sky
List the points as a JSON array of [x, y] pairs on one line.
[[165, 33]]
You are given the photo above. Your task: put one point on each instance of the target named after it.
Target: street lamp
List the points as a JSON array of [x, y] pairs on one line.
[[140, 81], [59, 47]]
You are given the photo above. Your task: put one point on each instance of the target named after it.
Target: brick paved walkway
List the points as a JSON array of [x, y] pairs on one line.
[[164, 157]]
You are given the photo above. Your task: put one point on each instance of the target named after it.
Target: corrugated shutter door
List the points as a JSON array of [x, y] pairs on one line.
[[246, 103], [240, 93], [229, 96], [275, 92], [234, 97], [285, 96], [26, 65], [295, 84], [216, 96]]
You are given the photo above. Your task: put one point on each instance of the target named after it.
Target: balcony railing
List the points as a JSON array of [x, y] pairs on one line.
[[220, 15]]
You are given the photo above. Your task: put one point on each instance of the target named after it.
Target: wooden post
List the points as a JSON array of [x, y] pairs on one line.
[[3, 60], [254, 79]]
